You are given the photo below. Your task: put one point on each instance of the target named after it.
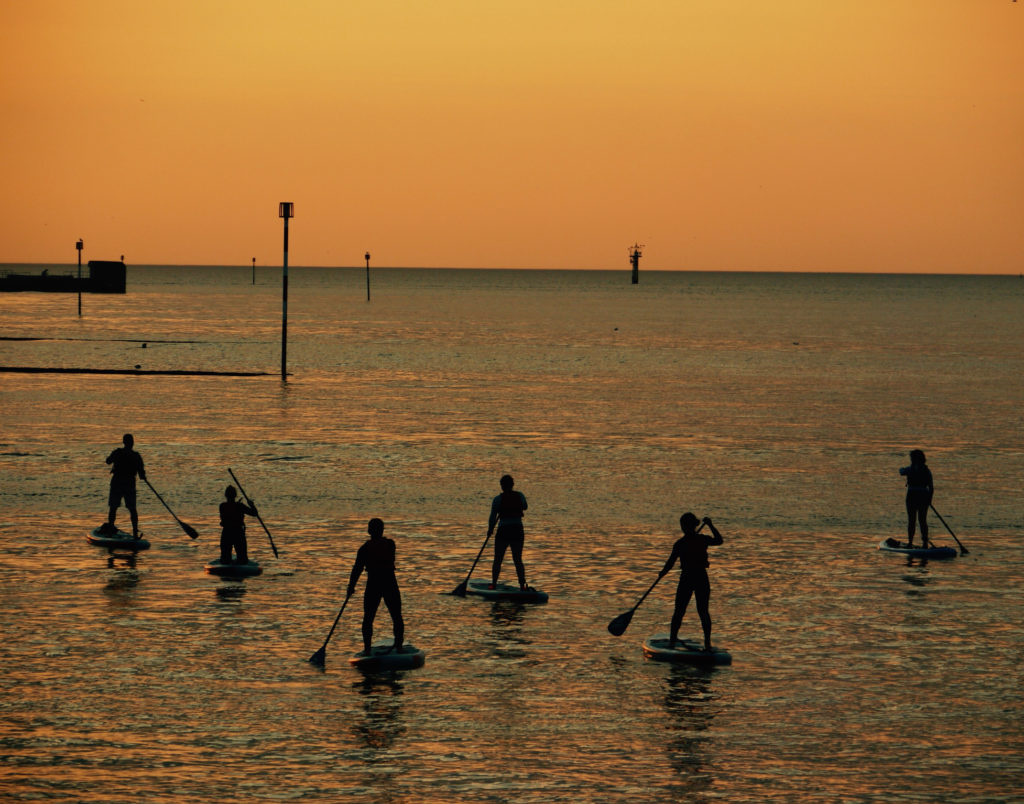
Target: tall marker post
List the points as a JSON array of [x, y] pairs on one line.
[[634, 259], [254, 270], [367, 275], [286, 210], [78, 246]]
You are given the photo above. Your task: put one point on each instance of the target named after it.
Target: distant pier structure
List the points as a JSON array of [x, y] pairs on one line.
[[105, 276], [634, 260]]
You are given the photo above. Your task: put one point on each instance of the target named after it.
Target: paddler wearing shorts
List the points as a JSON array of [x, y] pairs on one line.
[[507, 514], [232, 523], [125, 464], [377, 557], [920, 489], [692, 552]]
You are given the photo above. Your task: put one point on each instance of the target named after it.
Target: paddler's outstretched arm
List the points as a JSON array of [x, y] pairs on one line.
[[671, 560], [357, 570], [716, 537], [492, 520]]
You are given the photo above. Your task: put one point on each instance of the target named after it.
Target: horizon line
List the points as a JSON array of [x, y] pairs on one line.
[[626, 270]]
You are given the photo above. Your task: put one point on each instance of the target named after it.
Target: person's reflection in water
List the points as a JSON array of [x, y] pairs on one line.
[[507, 614], [121, 560], [120, 587], [507, 630], [231, 593], [691, 707], [382, 709]]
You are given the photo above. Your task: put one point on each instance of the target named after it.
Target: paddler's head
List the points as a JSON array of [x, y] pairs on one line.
[[688, 522], [506, 482], [375, 528], [128, 440], [230, 492], [917, 457]]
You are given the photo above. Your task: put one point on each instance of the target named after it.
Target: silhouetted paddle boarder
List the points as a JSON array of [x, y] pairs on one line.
[[232, 523], [377, 557], [125, 464], [692, 552], [919, 495], [507, 514]]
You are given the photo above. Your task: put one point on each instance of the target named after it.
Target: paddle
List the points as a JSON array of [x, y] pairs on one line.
[[272, 547], [618, 626], [963, 550], [460, 590], [320, 657], [192, 533]]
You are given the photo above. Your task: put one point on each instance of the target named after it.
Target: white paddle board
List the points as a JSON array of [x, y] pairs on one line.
[[119, 540], [685, 650], [895, 546], [506, 591], [232, 570], [382, 656]]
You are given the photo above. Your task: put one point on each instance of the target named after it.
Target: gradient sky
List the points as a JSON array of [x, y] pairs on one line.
[[845, 135]]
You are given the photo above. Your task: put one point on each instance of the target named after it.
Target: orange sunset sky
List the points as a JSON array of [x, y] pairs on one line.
[[821, 135]]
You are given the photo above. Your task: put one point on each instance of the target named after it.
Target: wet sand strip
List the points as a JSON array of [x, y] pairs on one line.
[[171, 372]]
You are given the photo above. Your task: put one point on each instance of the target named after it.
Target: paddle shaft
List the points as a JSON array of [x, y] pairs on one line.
[[336, 620], [187, 528], [618, 626], [963, 550], [462, 586], [645, 594], [272, 546]]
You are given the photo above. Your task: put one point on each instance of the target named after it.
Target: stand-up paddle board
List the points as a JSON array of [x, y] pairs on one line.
[[119, 540], [685, 650], [383, 656], [895, 546], [232, 570], [506, 591]]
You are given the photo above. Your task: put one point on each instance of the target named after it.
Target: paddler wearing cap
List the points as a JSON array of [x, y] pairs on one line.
[[692, 551]]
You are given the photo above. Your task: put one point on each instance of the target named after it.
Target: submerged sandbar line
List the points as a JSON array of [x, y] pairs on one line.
[[97, 340], [170, 372]]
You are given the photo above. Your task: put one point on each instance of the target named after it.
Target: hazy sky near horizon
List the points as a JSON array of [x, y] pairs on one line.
[[847, 135]]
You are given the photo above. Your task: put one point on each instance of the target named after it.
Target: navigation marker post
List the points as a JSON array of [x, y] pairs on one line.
[[78, 246], [286, 210], [634, 258], [367, 275]]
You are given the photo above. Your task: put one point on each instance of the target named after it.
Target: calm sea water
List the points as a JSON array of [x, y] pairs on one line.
[[780, 405]]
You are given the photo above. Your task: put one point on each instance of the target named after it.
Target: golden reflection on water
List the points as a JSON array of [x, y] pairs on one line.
[[410, 408], [690, 707], [381, 725]]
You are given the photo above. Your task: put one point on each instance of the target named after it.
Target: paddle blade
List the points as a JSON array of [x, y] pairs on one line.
[[319, 658], [192, 532], [618, 626], [460, 590]]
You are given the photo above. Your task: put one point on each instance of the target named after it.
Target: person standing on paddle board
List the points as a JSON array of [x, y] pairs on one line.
[[377, 557], [232, 523], [692, 551], [919, 495], [125, 464], [507, 513]]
